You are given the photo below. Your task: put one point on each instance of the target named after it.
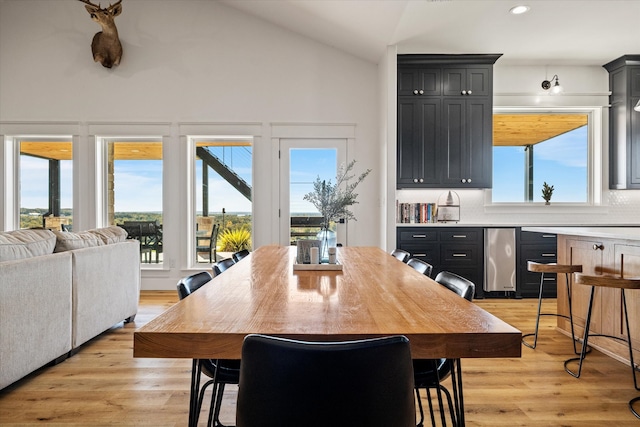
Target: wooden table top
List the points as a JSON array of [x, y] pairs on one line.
[[374, 295]]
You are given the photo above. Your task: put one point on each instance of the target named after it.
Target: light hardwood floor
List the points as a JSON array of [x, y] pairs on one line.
[[103, 385]]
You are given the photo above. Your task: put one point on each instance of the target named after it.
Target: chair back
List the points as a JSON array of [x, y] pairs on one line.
[[240, 254], [461, 286], [192, 283], [287, 383], [223, 265], [400, 254], [420, 266]]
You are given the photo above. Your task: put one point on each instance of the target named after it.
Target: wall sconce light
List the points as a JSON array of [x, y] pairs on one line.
[[637, 107], [556, 89]]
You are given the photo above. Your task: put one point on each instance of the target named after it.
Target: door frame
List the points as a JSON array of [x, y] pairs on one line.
[[283, 134]]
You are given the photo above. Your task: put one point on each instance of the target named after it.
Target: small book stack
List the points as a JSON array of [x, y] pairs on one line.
[[416, 213]]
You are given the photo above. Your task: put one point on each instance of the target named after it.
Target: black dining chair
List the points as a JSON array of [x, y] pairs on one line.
[[222, 265], [237, 256], [420, 266], [400, 254], [288, 383], [220, 372], [429, 373]]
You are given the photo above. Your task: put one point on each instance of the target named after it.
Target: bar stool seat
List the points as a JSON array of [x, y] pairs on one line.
[[542, 268], [606, 282]]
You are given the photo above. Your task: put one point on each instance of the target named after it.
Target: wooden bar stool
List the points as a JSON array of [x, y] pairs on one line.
[[537, 267], [606, 282]]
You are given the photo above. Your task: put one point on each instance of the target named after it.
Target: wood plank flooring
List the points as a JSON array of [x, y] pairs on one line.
[[103, 385]]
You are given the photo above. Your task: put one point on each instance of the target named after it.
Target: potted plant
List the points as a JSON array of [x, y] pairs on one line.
[[547, 192], [333, 200]]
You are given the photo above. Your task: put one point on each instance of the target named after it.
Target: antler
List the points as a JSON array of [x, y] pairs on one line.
[[111, 6]]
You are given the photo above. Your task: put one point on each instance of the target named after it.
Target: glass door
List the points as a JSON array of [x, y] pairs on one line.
[[302, 162]]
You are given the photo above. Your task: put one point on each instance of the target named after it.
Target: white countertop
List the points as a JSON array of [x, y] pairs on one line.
[[624, 233]]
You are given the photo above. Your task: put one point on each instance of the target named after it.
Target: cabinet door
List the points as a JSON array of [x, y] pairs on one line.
[[465, 153], [634, 144], [418, 135], [627, 261], [588, 254], [465, 81], [419, 81]]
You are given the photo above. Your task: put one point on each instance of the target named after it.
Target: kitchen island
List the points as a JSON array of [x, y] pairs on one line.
[[600, 250]]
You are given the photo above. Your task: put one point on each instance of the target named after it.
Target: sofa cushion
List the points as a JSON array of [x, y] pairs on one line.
[[68, 241], [21, 244], [109, 235]]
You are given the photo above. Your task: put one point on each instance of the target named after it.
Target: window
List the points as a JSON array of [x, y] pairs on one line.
[[531, 148], [134, 192], [46, 183], [223, 196]]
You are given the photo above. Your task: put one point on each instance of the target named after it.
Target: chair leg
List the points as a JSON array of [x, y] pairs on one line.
[[585, 340], [421, 422], [626, 320], [535, 334], [632, 409], [573, 334], [218, 406], [193, 394]]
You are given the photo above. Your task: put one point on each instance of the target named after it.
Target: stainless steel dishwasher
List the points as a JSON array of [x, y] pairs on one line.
[[499, 259]]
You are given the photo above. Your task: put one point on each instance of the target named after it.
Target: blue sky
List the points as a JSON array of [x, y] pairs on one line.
[[306, 166], [561, 161]]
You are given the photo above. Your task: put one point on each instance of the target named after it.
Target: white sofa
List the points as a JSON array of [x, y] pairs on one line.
[[58, 290]]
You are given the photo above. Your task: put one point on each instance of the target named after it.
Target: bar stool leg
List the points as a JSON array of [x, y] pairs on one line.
[[583, 352], [632, 409], [573, 334], [535, 334]]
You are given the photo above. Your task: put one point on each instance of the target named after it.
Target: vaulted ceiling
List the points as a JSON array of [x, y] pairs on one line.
[[570, 32]]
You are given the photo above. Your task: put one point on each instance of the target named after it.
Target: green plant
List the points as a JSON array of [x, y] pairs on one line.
[[333, 200], [547, 192], [234, 240]]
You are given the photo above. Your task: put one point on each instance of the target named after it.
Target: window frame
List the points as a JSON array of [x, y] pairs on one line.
[[595, 161]]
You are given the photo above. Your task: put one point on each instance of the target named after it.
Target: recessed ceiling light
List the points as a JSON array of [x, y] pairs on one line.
[[519, 10]]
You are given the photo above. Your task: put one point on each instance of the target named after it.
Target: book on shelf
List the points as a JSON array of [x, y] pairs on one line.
[[416, 213]]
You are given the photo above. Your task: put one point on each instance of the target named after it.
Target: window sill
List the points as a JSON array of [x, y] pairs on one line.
[[541, 208]]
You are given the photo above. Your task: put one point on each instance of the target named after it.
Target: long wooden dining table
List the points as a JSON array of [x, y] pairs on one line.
[[373, 295]]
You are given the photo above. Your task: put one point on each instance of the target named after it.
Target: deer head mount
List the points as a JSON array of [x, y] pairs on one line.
[[106, 47]]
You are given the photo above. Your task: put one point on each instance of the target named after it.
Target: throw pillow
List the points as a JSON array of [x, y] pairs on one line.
[[109, 235], [68, 241], [21, 244]]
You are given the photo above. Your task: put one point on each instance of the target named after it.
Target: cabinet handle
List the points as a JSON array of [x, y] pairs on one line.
[[421, 180], [464, 181], [415, 180], [464, 92], [548, 236], [423, 255], [596, 246], [459, 236], [468, 92], [548, 255], [460, 255], [549, 279], [421, 92], [469, 181], [415, 92], [419, 236]]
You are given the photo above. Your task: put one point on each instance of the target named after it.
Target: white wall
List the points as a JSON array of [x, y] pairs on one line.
[[185, 63]]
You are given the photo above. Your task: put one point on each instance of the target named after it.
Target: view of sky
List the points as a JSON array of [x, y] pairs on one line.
[[561, 161], [306, 165]]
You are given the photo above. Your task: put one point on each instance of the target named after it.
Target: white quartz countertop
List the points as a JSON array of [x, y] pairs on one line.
[[624, 233]]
